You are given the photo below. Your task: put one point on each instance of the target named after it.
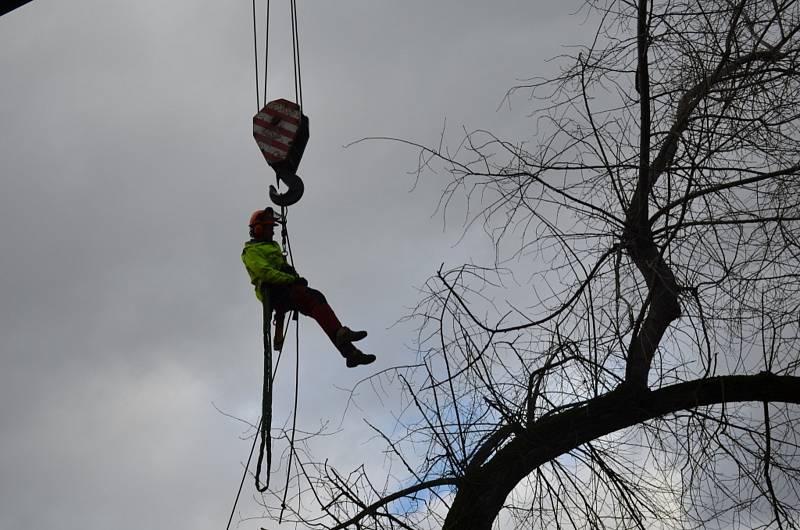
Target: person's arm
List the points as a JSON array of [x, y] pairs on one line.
[[264, 262]]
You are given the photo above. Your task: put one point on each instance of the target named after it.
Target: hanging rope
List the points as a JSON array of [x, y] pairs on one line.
[[265, 426], [253, 446], [265, 448], [260, 424], [294, 418], [241, 484], [265, 422]]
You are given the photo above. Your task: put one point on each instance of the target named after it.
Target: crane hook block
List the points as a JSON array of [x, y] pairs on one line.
[[281, 132]]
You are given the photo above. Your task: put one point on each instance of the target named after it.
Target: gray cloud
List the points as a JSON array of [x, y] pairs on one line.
[[128, 175]]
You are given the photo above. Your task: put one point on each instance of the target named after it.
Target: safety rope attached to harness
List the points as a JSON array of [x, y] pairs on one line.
[[265, 425]]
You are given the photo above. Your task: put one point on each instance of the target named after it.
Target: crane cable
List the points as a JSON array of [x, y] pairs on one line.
[[298, 78], [269, 374], [298, 87]]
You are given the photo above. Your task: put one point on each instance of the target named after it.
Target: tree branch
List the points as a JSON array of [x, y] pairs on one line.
[[482, 493], [369, 510]]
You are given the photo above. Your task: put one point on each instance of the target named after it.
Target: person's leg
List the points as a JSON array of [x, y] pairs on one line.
[[313, 303], [278, 297]]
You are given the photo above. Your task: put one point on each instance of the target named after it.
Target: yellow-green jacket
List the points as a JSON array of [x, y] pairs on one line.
[[266, 265]]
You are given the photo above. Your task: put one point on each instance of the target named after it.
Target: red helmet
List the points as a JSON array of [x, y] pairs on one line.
[[266, 217], [261, 218]]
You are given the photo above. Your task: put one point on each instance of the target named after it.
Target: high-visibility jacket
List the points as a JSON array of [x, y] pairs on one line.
[[266, 265]]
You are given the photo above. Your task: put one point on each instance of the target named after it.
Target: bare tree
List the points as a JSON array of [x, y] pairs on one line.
[[642, 367]]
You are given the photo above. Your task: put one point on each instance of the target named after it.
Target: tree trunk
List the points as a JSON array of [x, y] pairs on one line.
[[482, 493]]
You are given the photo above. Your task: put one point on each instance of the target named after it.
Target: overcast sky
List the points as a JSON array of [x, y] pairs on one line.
[[128, 175]]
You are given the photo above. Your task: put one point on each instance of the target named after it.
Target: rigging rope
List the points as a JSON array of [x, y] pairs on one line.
[[294, 418], [241, 484], [264, 423], [265, 426], [266, 53], [298, 77], [298, 85], [255, 58], [269, 377], [259, 423]]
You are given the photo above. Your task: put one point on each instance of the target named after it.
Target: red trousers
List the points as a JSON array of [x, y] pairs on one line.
[[309, 302]]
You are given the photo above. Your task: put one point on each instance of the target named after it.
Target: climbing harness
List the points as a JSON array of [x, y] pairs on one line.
[[281, 131]]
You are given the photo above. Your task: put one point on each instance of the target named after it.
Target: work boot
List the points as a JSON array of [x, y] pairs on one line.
[[357, 357], [346, 335]]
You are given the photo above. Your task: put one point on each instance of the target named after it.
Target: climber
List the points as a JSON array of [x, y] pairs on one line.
[[272, 276]]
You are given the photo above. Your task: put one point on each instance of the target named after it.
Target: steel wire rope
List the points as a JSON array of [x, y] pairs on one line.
[[266, 52], [255, 54], [298, 81]]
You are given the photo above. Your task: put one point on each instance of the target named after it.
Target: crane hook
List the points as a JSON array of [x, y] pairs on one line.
[[281, 132], [292, 194]]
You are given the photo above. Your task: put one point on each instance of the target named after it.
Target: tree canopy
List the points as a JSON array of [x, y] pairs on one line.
[[630, 358]]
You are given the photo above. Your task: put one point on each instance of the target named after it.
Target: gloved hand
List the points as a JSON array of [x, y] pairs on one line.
[[301, 281], [289, 269]]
